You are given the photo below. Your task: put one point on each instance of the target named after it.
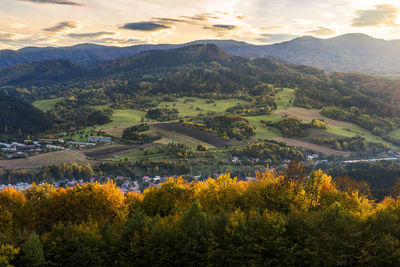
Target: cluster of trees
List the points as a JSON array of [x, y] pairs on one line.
[[355, 144], [162, 114], [275, 151], [135, 134], [227, 126], [381, 176], [70, 114], [293, 127], [260, 105], [290, 218], [48, 173], [376, 125]]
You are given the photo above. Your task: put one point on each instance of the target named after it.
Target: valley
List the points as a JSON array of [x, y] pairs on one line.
[[194, 110]]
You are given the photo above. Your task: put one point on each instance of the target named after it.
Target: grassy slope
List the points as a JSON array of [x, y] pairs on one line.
[[47, 104], [199, 105], [122, 117], [263, 132], [283, 97], [395, 134]]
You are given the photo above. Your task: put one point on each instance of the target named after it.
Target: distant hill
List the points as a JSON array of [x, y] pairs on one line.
[[345, 53]]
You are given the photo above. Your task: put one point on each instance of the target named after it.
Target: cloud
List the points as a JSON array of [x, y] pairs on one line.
[[146, 26], [224, 26], [202, 17], [272, 27], [220, 27], [62, 26], [6, 36], [59, 2], [276, 37], [321, 31], [168, 20], [90, 35], [381, 15]]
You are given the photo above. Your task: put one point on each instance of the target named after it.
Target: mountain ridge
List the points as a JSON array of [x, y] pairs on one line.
[[353, 52]]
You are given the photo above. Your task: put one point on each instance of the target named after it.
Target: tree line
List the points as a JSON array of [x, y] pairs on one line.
[[281, 219]]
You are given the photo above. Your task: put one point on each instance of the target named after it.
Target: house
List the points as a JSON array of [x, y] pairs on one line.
[[99, 139], [235, 160], [5, 145]]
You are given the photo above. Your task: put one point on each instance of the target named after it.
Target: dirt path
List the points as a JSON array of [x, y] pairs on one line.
[[317, 148], [50, 158], [309, 115]]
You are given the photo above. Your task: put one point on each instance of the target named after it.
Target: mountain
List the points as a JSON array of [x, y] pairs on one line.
[[346, 53]]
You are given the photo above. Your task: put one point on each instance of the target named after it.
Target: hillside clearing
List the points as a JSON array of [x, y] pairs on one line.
[[124, 117], [284, 98], [193, 106], [47, 104]]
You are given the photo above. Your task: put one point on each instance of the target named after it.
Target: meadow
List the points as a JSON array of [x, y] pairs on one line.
[[47, 104], [193, 106]]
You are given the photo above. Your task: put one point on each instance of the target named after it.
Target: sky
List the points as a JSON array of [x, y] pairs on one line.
[[131, 22]]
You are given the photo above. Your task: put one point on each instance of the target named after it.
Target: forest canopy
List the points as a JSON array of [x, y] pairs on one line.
[[277, 219]]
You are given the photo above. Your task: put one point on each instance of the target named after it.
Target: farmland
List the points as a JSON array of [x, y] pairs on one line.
[[193, 106], [50, 158], [47, 104], [124, 117], [284, 98], [103, 152], [208, 138], [317, 148]]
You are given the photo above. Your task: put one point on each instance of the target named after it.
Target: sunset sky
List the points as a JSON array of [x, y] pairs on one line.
[[129, 22]]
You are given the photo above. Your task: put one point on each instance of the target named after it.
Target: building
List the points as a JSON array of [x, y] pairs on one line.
[[99, 139]]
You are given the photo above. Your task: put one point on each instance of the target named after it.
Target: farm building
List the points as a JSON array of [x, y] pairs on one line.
[[99, 139]]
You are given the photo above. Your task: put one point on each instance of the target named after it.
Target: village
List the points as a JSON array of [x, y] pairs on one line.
[[34, 147]]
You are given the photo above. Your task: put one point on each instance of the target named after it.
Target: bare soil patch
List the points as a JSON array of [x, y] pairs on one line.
[[208, 138], [317, 148]]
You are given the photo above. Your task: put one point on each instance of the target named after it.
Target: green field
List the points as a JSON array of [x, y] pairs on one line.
[[196, 105], [283, 97], [263, 132], [81, 136], [123, 117], [47, 104], [395, 134], [354, 130]]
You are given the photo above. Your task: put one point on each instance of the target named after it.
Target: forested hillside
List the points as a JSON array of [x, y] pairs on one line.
[[345, 53], [292, 218], [142, 81], [19, 117]]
